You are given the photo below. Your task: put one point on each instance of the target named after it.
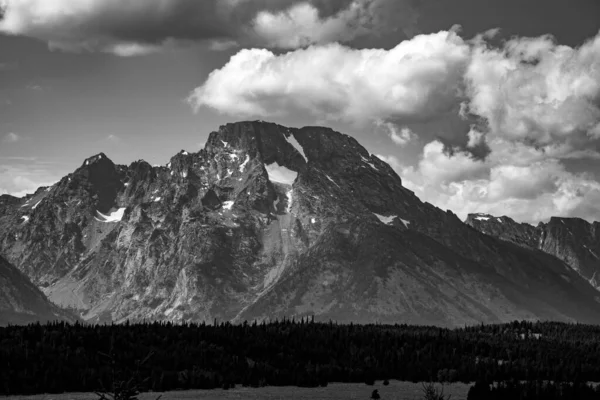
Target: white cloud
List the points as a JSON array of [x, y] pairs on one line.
[[400, 136], [439, 167], [11, 138], [137, 27], [515, 180], [535, 90], [301, 26], [419, 78], [21, 179], [529, 89], [475, 138]]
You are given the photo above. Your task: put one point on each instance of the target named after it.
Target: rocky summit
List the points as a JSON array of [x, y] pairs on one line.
[[268, 222], [572, 240]]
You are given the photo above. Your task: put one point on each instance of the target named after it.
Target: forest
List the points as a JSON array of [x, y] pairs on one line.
[[61, 357]]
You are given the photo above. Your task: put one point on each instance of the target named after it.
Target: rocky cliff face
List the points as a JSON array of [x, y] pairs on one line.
[[21, 302], [268, 221], [573, 240]]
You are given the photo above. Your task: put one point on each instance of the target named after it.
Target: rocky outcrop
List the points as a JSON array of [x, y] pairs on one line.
[[572, 240], [267, 221], [21, 302]]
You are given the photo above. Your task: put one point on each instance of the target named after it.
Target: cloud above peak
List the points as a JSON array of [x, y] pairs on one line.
[[417, 79], [527, 89], [134, 27]]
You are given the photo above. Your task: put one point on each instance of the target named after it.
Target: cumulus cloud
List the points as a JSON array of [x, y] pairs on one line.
[[515, 180], [537, 91], [528, 89], [539, 104], [419, 78], [135, 27]]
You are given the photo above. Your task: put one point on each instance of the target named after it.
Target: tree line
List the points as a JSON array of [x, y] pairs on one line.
[[62, 357]]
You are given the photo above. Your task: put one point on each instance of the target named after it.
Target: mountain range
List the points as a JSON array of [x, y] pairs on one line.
[[267, 222], [572, 240]]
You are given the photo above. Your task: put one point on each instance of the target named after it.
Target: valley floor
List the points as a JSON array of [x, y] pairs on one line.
[[352, 391]]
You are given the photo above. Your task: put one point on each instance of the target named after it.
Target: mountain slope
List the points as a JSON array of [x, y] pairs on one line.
[[268, 221], [573, 240], [21, 302]]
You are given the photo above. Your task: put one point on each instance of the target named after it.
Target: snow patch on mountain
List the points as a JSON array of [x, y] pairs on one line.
[[591, 252], [25, 218], [334, 182], [115, 216], [246, 161], [384, 219], [482, 218], [290, 195], [228, 205], [292, 140], [281, 174], [369, 163], [405, 222]]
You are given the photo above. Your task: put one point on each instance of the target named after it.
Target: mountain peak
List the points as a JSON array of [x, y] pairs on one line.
[[100, 157], [101, 176]]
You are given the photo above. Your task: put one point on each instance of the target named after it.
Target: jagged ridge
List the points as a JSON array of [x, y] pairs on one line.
[[573, 240]]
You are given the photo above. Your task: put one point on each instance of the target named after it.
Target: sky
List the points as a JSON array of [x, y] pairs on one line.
[[479, 105]]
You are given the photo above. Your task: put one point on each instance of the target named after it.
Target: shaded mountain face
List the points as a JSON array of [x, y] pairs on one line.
[[573, 240], [268, 221], [21, 302]]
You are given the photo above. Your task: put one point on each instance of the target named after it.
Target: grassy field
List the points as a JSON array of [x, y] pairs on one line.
[[335, 391]]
